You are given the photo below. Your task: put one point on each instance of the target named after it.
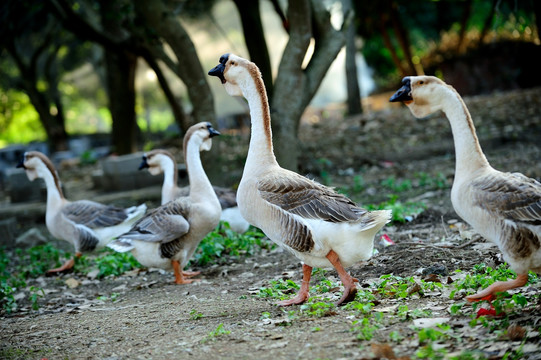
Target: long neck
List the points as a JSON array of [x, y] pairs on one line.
[[169, 180], [200, 186], [55, 197], [469, 156], [260, 151]]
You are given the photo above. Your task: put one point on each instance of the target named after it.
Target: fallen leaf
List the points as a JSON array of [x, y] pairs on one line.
[[382, 351], [72, 283]]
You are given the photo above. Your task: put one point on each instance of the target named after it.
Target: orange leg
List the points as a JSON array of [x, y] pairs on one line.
[[303, 294], [500, 286], [179, 274], [349, 281], [66, 266]]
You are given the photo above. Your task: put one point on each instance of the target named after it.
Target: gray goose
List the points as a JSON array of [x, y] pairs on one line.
[[86, 224], [318, 225], [159, 161], [504, 208], [167, 236]]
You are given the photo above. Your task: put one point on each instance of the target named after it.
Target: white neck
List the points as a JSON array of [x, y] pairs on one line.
[[169, 184], [200, 186], [260, 152], [55, 198], [469, 156]]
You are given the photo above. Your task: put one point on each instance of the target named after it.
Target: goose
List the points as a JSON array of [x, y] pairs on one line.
[[86, 224], [167, 236], [504, 208], [159, 161], [318, 225]]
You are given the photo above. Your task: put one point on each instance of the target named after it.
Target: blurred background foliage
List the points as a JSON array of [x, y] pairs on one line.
[[56, 77]]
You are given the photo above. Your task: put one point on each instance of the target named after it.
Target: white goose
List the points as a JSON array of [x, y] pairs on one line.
[[167, 236], [86, 224], [159, 160], [317, 224], [505, 208]]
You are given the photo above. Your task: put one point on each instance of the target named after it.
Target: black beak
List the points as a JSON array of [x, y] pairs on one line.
[[144, 163], [404, 93], [20, 164], [218, 70], [213, 132]]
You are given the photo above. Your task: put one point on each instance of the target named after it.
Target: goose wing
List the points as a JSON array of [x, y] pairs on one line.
[[163, 224], [512, 196], [300, 196], [93, 214]]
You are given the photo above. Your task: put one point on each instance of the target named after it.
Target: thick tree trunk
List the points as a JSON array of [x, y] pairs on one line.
[[120, 78], [402, 37], [253, 32], [295, 87], [120, 81], [163, 21], [353, 91], [464, 26]]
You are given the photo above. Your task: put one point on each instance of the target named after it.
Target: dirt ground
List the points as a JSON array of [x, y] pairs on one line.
[[142, 315]]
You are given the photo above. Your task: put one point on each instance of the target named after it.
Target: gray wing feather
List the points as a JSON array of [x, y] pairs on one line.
[[163, 224], [301, 196], [511, 195], [93, 214]]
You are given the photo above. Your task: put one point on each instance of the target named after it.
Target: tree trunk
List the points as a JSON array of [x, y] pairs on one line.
[[402, 37], [253, 32], [352, 83], [489, 19], [120, 69], [464, 26], [53, 124], [295, 87], [164, 23], [120, 78]]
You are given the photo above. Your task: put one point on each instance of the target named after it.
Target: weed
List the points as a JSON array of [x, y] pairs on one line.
[[396, 336], [278, 289], [223, 241], [115, 263], [396, 186], [35, 294], [364, 328], [195, 315], [220, 331], [318, 309]]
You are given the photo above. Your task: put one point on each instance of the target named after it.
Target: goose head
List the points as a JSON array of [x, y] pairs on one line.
[[423, 95], [156, 161], [234, 71], [36, 165], [201, 135]]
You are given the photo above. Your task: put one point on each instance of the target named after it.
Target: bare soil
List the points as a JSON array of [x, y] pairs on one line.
[[143, 315]]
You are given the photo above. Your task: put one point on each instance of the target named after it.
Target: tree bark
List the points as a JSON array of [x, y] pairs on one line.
[[53, 124], [295, 87], [253, 32], [464, 26], [120, 81], [402, 37], [354, 105], [161, 21]]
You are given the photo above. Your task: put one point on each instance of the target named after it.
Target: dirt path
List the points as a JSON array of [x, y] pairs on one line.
[[230, 313]]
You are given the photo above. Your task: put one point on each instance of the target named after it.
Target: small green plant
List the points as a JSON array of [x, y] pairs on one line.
[[278, 289], [396, 186], [318, 309], [219, 331], [35, 294], [113, 263], [225, 242], [425, 180], [195, 315], [364, 329]]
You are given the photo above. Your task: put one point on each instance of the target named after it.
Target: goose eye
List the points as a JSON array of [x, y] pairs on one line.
[[421, 82], [232, 63]]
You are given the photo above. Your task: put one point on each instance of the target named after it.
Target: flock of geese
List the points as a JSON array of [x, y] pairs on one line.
[[315, 223]]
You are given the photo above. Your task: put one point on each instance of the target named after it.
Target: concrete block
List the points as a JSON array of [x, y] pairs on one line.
[[20, 189]]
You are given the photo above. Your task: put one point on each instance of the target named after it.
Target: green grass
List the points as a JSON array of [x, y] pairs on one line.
[[224, 242]]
